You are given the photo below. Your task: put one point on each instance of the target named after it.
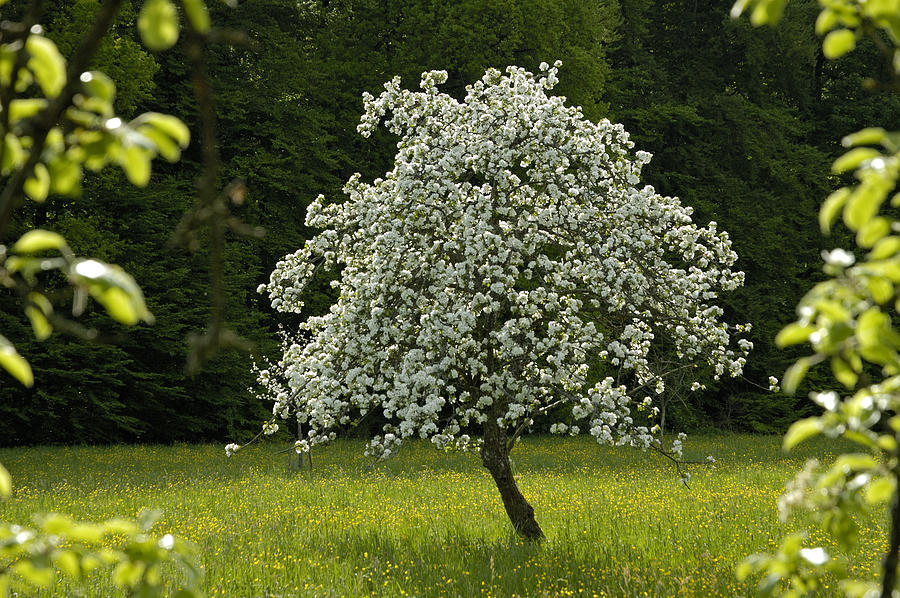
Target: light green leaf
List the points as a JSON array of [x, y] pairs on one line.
[[801, 430], [843, 372], [67, 561], [47, 64], [880, 490], [39, 576], [873, 231], [166, 148], [885, 248], [39, 323], [119, 305], [158, 24], [168, 124], [794, 375], [99, 85], [86, 532], [25, 108], [855, 462], [837, 43], [863, 204], [5, 484], [37, 186], [877, 354], [13, 154], [37, 240], [135, 161], [852, 159], [197, 14], [767, 12], [56, 524], [831, 207], [793, 334], [121, 527], [868, 136], [833, 310], [826, 21], [65, 176], [114, 288], [15, 364], [127, 574], [881, 289], [887, 443]]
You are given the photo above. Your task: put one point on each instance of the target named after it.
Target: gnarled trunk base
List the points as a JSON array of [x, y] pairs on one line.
[[495, 457]]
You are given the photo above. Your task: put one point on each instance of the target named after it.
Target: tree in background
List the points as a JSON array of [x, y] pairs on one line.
[[736, 132], [507, 248], [847, 320]]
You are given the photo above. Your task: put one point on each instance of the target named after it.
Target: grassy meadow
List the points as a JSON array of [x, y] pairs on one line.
[[618, 521]]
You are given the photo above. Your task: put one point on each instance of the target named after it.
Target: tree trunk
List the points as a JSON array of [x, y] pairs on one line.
[[495, 457]]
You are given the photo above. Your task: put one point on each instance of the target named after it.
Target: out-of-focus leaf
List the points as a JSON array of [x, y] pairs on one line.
[[127, 574], [801, 430], [37, 240], [47, 64], [885, 248], [158, 24], [39, 576], [837, 43], [13, 154], [843, 372], [880, 490], [868, 136], [25, 108], [873, 231], [166, 123], [166, 148], [767, 12], [37, 186], [793, 334], [67, 561], [826, 21], [135, 161], [794, 375], [114, 288], [197, 15], [15, 364], [65, 176], [5, 485], [39, 323], [831, 207], [852, 159], [881, 289], [863, 204], [99, 85]]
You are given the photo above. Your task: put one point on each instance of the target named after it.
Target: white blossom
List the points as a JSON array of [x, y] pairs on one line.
[[508, 247]]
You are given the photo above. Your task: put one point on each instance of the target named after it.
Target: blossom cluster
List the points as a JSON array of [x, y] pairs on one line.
[[508, 249]]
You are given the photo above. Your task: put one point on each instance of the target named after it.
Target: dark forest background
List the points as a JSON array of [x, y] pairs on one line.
[[743, 125]]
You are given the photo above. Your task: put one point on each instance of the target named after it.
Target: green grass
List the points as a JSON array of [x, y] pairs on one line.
[[618, 522]]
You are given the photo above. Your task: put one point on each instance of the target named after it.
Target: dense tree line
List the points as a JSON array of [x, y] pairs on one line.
[[741, 123]]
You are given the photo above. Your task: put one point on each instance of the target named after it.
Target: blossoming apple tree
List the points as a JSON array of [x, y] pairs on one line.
[[509, 247]]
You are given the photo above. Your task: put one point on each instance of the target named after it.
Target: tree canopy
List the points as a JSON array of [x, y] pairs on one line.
[[508, 249]]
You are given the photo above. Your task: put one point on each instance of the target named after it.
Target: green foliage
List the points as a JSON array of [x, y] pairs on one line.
[[744, 132], [54, 124], [847, 319], [60, 547]]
